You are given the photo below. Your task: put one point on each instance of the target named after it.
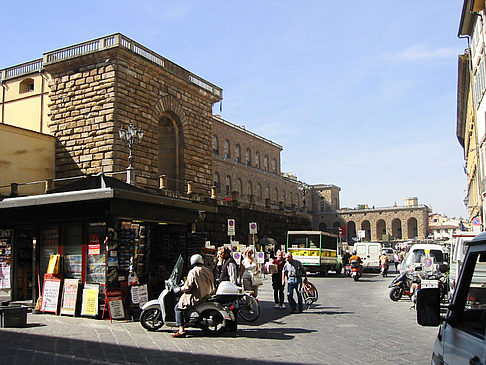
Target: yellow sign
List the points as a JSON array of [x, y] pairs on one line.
[[90, 302], [53, 267]]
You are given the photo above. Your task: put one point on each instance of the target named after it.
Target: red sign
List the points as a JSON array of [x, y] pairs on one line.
[[94, 249]]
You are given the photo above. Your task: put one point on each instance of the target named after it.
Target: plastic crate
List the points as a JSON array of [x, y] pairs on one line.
[[13, 316]]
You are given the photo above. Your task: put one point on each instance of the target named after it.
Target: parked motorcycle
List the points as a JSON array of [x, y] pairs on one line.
[[213, 316], [356, 270], [400, 286]]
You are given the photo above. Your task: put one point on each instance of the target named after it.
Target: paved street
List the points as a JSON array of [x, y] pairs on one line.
[[352, 323]]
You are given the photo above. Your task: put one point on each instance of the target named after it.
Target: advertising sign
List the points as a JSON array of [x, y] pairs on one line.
[[69, 296], [50, 294]]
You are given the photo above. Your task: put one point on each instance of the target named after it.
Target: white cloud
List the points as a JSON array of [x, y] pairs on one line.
[[422, 52]]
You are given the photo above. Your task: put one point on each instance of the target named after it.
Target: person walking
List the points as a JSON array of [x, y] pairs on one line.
[[293, 270], [249, 269], [278, 288], [229, 271]]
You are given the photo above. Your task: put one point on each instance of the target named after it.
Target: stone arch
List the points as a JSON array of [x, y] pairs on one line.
[[412, 227], [396, 227], [380, 228], [366, 226], [350, 231], [170, 138]]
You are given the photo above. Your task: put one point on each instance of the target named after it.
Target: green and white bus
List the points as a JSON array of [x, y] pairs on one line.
[[318, 251]]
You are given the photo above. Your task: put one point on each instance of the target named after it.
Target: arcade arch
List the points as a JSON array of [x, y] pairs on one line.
[[380, 228], [366, 226], [412, 228], [171, 151], [397, 228]]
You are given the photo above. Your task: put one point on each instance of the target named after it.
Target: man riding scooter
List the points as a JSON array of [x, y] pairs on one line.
[[199, 286], [356, 269]]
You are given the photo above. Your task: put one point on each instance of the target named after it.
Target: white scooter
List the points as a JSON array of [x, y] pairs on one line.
[[213, 316]]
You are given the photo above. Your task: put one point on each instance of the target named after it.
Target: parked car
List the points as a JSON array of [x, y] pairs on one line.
[[461, 338]]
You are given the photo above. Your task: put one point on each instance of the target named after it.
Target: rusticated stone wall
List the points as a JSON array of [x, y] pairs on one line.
[[93, 96]]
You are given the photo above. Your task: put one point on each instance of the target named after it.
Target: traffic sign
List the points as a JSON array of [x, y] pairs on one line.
[[253, 228], [476, 221], [231, 227]]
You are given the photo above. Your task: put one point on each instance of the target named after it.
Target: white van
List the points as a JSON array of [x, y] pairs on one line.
[[461, 338], [418, 251], [458, 252], [370, 253]]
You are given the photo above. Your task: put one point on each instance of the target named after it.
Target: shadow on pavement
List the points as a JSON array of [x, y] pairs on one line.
[[262, 333], [20, 348]]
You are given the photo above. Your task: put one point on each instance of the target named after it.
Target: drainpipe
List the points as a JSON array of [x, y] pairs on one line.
[[41, 126]]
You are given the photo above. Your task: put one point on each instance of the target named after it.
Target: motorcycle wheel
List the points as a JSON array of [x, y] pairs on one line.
[[151, 319], [249, 309], [356, 277], [212, 322], [395, 293]]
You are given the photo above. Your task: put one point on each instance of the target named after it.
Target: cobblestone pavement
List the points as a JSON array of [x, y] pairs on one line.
[[352, 323]]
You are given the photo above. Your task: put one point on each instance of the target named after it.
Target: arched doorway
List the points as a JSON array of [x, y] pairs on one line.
[[380, 229], [412, 227], [350, 231], [171, 152], [397, 228], [366, 226]]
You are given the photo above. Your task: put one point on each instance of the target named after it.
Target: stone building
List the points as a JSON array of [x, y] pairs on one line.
[[378, 224], [247, 168], [82, 96]]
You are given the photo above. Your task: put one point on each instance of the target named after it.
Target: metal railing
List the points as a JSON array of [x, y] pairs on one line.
[[99, 44]]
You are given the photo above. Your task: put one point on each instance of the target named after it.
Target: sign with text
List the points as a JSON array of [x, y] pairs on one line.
[[69, 296], [50, 294], [89, 305]]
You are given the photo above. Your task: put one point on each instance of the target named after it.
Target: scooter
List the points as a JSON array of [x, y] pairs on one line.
[[347, 270], [213, 316], [355, 270], [401, 285]]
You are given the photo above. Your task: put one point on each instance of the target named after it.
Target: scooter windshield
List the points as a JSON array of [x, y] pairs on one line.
[[176, 274]]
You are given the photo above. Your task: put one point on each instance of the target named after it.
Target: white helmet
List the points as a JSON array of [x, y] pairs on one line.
[[197, 259]]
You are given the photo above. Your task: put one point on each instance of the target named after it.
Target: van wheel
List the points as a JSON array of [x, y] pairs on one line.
[[324, 272]]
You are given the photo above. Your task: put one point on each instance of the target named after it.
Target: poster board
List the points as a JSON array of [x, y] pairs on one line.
[[114, 304], [69, 296], [89, 306], [139, 294], [50, 294]]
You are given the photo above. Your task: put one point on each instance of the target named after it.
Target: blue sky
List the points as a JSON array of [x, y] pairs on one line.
[[361, 94]]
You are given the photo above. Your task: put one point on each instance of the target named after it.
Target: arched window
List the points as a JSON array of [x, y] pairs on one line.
[[248, 157], [267, 192], [250, 189], [258, 192], [276, 195], [239, 186], [227, 152], [26, 86], [284, 197], [217, 182], [274, 165], [237, 153], [257, 160], [215, 144], [228, 185], [265, 163]]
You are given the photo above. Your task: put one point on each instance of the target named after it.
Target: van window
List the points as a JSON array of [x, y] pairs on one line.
[[361, 250], [473, 317], [372, 250], [415, 257]]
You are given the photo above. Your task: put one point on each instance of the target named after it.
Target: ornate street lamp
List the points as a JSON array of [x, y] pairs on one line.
[[130, 136]]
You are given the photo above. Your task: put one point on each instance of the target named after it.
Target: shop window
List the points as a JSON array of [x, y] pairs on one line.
[[72, 240], [49, 245], [26, 86]]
